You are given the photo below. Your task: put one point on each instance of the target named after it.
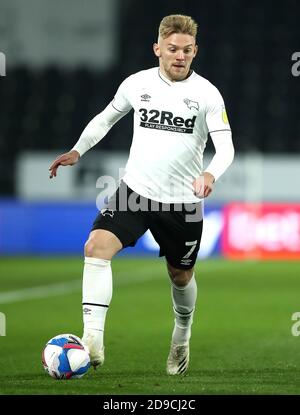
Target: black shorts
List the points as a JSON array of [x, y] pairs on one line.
[[177, 228]]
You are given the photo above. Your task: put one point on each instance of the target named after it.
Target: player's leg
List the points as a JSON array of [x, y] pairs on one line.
[[112, 230], [100, 248], [184, 296], [179, 241]]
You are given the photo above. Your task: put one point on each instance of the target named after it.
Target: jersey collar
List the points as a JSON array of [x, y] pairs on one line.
[[170, 83]]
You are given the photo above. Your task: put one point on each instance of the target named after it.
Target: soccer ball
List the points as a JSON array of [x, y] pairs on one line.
[[65, 357]]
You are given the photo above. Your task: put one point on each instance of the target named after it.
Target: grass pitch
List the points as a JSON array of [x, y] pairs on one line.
[[241, 343]]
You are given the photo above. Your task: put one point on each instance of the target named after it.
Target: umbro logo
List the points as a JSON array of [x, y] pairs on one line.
[[87, 310], [186, 261], [191, 104], [145, 97]]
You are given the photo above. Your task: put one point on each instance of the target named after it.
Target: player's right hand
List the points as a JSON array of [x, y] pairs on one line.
[[67, 159]]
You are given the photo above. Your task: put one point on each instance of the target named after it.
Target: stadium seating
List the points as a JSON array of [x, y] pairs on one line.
[[245, 50]]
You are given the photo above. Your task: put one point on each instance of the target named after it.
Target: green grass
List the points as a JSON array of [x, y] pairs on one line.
[[241, 342]]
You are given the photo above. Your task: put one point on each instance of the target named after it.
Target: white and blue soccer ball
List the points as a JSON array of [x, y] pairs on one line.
[[65, 357]]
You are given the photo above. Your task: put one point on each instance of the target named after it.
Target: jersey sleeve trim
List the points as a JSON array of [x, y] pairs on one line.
[[122, 112], [225, 129]]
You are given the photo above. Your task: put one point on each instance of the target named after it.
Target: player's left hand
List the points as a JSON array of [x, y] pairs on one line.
[[203, 185]]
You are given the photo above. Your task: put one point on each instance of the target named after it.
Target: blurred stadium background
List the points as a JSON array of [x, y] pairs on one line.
[[64, 62], [63, 65]]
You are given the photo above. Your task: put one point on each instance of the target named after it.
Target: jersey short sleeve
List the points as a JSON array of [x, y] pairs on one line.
[[121, 100], [216, 116]]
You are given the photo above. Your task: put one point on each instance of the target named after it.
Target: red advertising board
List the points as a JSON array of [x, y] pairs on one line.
[[261, 231]]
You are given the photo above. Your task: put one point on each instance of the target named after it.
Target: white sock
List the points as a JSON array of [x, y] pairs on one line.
[[184, 301], [96, 295]]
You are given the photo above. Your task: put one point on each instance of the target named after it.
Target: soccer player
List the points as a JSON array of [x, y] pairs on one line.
[[174, 110]]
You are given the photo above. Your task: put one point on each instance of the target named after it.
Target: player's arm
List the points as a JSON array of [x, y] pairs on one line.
[[222, 159], [96, 129], [220, 132], [224, 155]]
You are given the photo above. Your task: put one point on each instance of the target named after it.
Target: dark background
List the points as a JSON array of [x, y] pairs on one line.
[[245, 49]]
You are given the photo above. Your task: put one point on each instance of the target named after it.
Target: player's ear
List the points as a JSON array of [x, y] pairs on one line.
[[196, 50], [156, 50]]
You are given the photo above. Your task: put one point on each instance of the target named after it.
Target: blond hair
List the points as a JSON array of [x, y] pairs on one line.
[[177, 23]]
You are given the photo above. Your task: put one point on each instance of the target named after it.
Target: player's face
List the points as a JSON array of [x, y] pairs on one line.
[[176, 54]]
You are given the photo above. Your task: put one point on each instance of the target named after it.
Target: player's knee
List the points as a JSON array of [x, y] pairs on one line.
[[180, 277], [90, 248], [101, 245], [97, 249]]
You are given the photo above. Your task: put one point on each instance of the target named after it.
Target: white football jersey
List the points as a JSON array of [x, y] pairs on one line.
[[171, 125]]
